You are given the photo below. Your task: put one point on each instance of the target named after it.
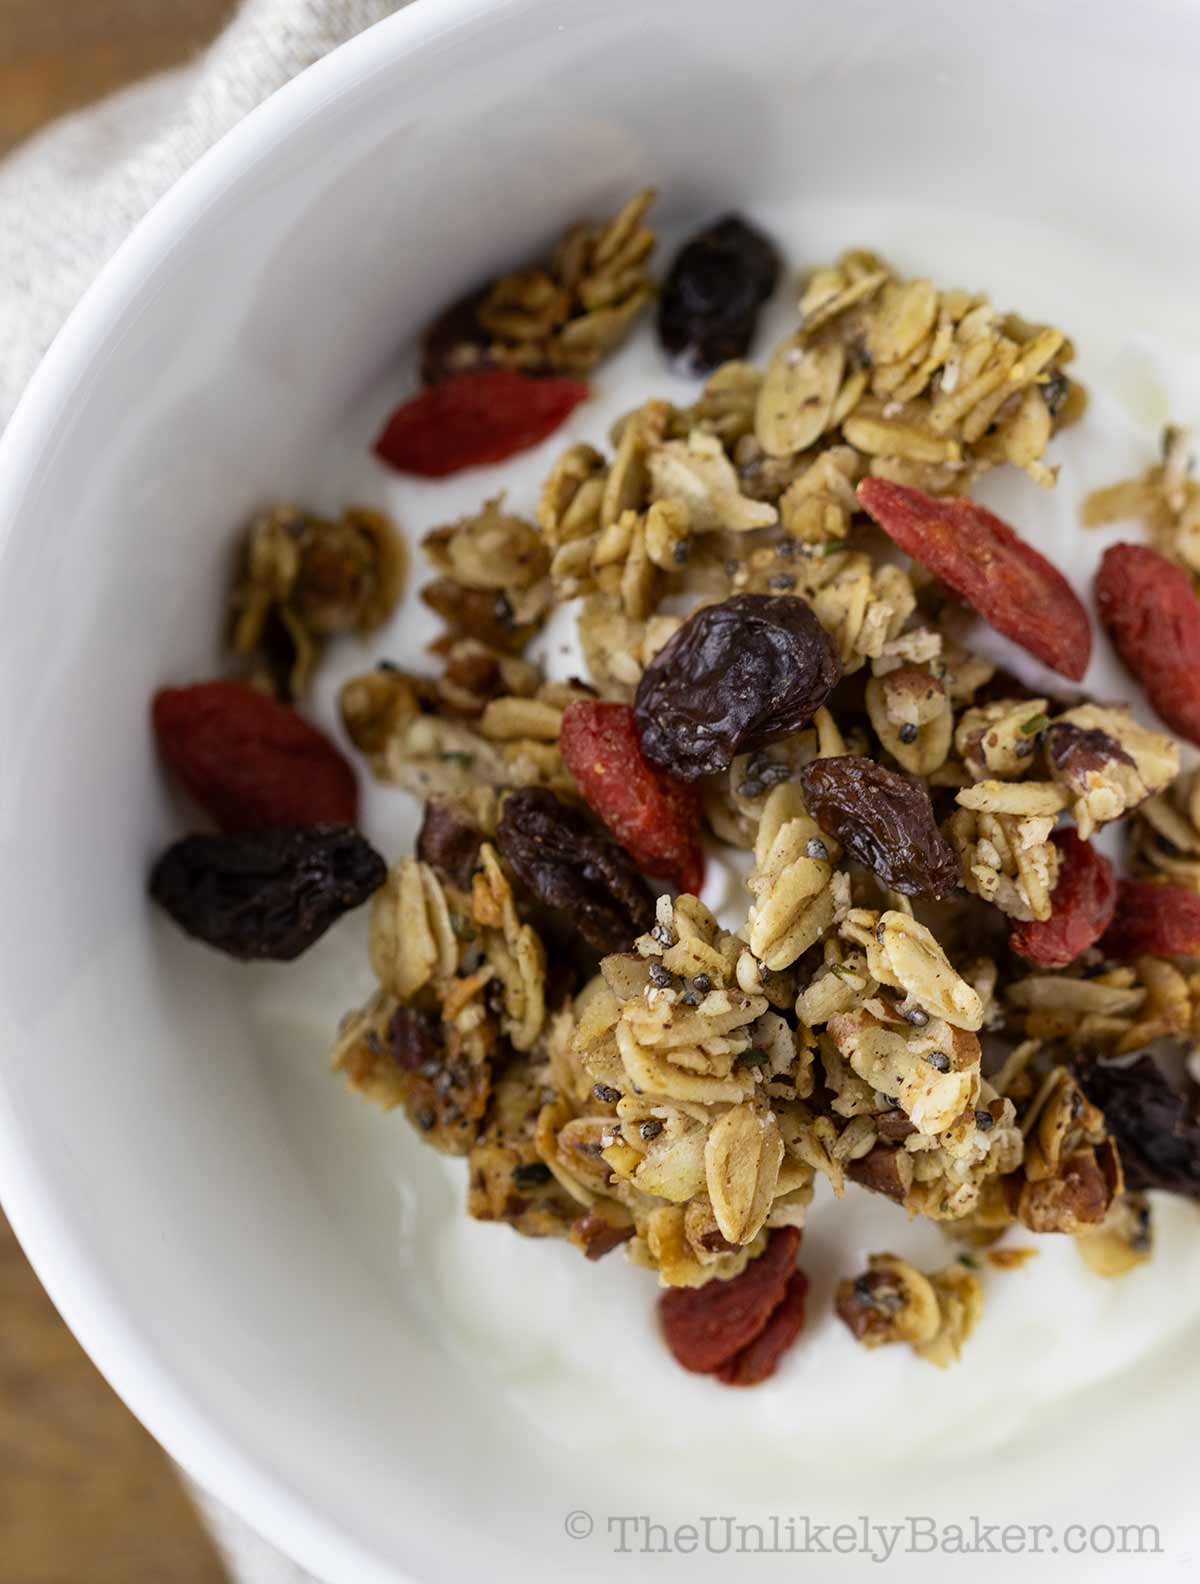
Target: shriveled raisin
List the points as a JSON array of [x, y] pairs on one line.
[[1157, 1134], [268, 894], [714, 290], [251, 762], [570, 867], [1082, 906], [736, 677], [1153, 920], [1150, 609], [449, 842], [456, 342], [655, 817], [884, 822], [705, 1327]]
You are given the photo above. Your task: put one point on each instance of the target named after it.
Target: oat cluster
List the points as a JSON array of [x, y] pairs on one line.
[[681, 1096]]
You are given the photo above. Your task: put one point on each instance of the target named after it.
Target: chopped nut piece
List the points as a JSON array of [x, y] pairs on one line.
[[893, 1302]]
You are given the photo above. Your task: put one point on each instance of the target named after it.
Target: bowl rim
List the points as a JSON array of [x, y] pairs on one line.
[[63, 1263]]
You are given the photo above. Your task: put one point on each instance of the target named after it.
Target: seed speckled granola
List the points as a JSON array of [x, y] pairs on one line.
[[882, 1010]]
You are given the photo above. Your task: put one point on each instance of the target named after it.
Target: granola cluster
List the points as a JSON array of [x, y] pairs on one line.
[[907, 999]]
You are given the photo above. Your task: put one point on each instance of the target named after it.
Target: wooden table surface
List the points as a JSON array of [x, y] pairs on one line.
[[86, 1497], [58, 54]]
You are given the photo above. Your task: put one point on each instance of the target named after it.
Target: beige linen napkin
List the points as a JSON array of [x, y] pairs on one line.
[[71, 194]]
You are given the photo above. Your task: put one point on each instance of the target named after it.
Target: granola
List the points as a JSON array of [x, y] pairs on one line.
[[626, 1070]]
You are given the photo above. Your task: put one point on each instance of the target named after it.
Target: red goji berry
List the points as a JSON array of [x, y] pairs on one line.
[[1083, 903], [473, 419], [1012, 586], [652, 815], [1153, 920], [1149, 607], [759, 1359], [251, 762], [707, 1326]]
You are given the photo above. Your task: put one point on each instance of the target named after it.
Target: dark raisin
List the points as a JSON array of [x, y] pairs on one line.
[[567, 865], [736, 677], [1157, 1135], [534, 1174], [417, 1041], [456, 343], [449, 843], [883, 821], [266, 894], [713, 292]]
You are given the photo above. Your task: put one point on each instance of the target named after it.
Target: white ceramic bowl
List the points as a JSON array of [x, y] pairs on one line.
[[272, 1276]]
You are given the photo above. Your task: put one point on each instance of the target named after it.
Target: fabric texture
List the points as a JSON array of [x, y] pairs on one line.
[[68, 198], [71, 194]]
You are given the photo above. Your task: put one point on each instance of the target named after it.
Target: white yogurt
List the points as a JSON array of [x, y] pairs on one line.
[[573, 1346]]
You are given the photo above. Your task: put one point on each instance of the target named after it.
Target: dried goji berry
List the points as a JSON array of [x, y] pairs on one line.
[[1153, 920], [1083, 903], [706, 1326], [473, 419], [1011, 585], [654, 817], [250, 761], [1150, 609], [759, 1359]]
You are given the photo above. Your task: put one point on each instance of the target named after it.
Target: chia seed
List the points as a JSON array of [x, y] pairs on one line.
[[782, 581], [917, 1016], [651, 1129], [816, 848], [660, 976], [607, 1093], [940, 1061], [702, 983], [908, 733]]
